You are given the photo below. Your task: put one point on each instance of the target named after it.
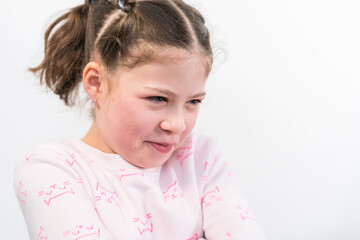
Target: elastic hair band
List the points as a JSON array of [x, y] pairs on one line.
[[121, 5], [119, 1]]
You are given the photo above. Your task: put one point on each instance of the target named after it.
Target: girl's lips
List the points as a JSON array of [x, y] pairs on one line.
[[161, 147]]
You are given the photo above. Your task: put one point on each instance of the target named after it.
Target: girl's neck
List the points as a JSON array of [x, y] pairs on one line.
[[93, 138]]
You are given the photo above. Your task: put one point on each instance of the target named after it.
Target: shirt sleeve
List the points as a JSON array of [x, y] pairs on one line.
[[226, 214], [54, 201]]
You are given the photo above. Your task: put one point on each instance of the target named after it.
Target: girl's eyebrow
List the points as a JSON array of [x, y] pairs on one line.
[[172, 94], [199, 95]]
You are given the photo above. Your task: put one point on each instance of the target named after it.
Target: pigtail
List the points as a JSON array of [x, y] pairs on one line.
[[62, 66]]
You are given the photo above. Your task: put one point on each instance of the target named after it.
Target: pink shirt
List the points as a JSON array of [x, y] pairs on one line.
[[69, 190]]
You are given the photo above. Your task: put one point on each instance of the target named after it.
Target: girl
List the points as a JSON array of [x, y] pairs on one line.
[[139, 172]]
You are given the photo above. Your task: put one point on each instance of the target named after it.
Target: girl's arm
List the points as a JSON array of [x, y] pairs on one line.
[[225, 212]]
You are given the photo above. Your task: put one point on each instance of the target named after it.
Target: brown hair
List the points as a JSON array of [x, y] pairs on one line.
[[119, 37]]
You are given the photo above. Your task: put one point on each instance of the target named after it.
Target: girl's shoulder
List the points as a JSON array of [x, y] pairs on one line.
[[56, 152], [46, 165]]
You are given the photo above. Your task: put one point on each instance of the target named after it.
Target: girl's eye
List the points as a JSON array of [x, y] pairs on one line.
[[195, 101], [157, 99]]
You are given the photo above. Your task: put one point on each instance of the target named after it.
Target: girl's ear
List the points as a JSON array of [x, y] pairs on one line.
[[93, 80]]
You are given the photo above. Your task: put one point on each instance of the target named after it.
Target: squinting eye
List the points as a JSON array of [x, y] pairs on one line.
[[157, 99], [195, 101]]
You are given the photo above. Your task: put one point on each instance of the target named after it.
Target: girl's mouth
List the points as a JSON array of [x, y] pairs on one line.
[[161, 147]]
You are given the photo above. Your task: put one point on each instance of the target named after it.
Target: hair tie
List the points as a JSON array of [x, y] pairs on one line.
[[119, 1], [121, 5]]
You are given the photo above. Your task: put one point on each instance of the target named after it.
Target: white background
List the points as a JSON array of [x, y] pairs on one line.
[[285, 105]]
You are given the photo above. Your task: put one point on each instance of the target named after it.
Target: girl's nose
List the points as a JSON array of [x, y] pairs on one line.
[[174, 123]]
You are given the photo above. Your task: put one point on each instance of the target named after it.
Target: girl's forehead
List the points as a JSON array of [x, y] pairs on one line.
[[180, 57], [170, 67], [173, 70], [164, 65], [145, 53]]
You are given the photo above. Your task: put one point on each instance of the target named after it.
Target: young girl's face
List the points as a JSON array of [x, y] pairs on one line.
[[151, 110]]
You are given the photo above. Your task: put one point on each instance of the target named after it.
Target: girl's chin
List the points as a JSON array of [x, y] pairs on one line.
[[152, 160]]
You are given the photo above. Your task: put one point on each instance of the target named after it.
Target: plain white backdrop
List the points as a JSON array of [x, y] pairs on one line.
[[284, 103]]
